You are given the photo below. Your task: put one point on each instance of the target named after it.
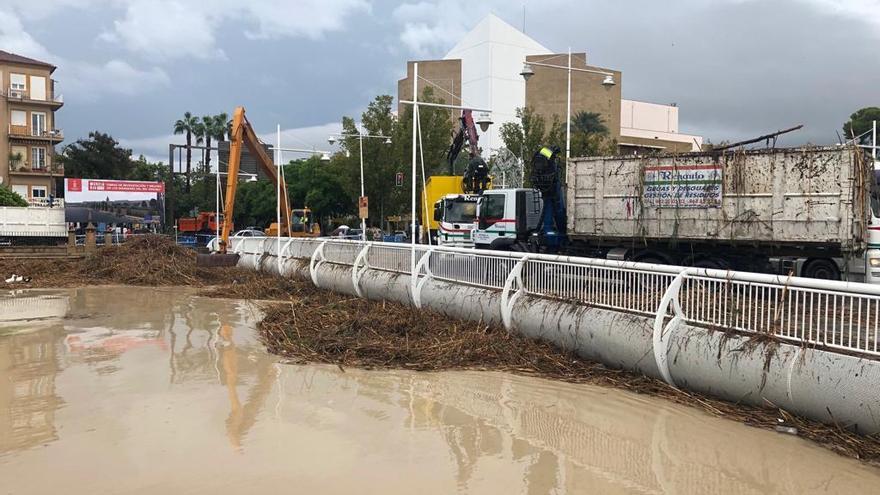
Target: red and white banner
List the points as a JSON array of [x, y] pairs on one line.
[[93, 190]]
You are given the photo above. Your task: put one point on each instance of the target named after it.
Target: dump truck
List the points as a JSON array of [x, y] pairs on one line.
[[810, 210], [206, 222]]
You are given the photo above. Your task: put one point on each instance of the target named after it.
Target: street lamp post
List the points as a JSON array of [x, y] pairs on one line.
[[279, 175], [527, 72], [360, 135], [484, 119]]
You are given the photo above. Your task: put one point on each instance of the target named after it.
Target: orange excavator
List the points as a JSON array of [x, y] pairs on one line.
[[243, 134]]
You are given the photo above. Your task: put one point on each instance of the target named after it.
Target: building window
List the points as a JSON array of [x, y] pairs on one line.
[[21, 190], [39, 158], [38, 124], [17, 158], [17, 82], [18, 118], [38, 191]]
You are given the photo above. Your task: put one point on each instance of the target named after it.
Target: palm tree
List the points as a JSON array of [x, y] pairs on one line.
[[187, 125], [589, 123], [199, 132], [215, 128]]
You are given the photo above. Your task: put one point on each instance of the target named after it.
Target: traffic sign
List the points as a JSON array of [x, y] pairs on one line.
[[363, 207]]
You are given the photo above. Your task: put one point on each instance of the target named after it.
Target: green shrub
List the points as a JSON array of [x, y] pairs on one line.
[[8, 197]]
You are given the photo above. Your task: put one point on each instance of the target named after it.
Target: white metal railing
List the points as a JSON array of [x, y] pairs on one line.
[[835, 315]]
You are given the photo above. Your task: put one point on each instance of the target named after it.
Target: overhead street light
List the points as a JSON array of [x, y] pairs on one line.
[[527, 72], [360, 136], [484, 121]]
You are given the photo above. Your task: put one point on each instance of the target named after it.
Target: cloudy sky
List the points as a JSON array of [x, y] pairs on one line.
[[736, 68]]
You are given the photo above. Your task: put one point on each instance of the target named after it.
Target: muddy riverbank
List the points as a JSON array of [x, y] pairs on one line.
[[145, 390]]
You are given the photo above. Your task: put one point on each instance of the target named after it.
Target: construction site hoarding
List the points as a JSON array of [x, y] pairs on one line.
[[799, 196], [114, 201]]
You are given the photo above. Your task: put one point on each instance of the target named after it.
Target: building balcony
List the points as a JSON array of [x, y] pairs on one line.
[[24, 168], [22, 132], [52, 99]]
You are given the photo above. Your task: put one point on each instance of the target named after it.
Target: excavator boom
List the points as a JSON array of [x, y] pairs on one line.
[[243, 134]]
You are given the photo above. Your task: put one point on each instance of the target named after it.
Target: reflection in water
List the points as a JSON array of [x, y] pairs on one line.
[[242, 418], [166, 390], [28, 400]]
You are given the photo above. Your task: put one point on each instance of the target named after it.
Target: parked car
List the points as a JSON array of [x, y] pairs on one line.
[[354, 234], [212, 244]]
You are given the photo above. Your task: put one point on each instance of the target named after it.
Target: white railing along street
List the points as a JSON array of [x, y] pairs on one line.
[[835, 315]]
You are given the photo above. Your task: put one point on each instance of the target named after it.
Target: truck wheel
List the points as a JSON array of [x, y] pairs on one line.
[[824, 269]]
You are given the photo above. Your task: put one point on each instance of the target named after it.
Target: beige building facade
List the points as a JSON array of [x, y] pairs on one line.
[[442, 76], [483, 71], [27, 123]]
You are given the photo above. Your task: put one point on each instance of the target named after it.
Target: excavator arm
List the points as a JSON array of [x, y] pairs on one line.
[[243, 134]]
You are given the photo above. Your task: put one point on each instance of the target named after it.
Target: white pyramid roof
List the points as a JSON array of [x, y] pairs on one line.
[[491, 29], [492, 54]]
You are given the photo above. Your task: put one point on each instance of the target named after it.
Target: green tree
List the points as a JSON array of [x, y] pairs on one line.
[[861, 122], [214, 127], [319, 186], [8, 197], [141, 169], [189, 126], [588, 123], [527, 136], [436, 126], [98, 157], [589, 135], [255, 204]]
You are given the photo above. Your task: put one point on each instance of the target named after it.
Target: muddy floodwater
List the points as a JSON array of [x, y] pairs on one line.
[[133, 390]]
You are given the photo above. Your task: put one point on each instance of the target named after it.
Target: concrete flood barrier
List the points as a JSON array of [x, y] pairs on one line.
[[818, 383]]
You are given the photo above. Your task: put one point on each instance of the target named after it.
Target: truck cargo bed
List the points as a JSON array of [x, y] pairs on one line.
[[800, 197]]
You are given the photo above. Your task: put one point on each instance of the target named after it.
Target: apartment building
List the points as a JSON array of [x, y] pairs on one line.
[[27, 119]]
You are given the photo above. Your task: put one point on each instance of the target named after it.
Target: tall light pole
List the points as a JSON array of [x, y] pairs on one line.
[[527, 72], [279, 159], [416, 104], [360, 135]]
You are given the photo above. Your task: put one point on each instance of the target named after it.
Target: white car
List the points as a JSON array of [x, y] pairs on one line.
[[212, 244]]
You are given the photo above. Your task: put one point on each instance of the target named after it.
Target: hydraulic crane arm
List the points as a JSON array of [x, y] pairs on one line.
[[243, 133]]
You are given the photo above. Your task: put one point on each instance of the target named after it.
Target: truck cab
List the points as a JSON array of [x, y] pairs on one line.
[[507, 218], [456, 215]]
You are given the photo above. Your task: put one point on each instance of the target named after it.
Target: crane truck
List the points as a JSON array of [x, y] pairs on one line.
[[812, 211], [454, 212]]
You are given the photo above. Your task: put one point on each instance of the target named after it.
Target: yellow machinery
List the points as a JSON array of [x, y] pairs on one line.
[[243, 135], [436, 187], [301, 224]]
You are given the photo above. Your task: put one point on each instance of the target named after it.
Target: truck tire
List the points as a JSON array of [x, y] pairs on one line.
[[821, 268]]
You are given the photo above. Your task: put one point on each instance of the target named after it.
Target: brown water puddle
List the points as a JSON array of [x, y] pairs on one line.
[[138, 390]]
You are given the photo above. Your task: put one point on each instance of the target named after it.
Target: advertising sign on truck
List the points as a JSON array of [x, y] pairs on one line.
[[688, 186]]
